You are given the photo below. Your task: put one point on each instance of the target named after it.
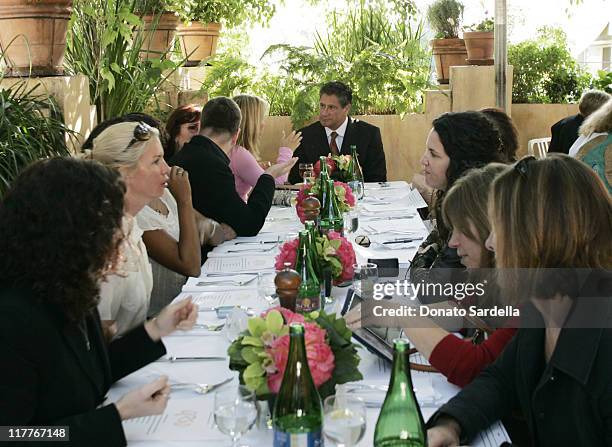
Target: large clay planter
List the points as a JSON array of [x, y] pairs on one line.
[[40, 27], [198, 41], [448, 53], [158, 39], [479, 45]]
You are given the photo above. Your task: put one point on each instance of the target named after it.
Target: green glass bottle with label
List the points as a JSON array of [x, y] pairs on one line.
[[309, 292], [355, 174], [400, 422], [298, 416], [330, 217]]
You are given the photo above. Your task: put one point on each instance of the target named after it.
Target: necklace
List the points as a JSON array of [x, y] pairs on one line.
[[83, 329]]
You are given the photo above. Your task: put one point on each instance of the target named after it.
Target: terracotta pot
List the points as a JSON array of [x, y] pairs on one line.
[[40, 27], [158, 39], [447, 53], [479, 45], [198, 41]]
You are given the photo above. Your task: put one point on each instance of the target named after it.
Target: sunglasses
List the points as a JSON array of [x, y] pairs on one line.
[[142, 132], [522, 165]]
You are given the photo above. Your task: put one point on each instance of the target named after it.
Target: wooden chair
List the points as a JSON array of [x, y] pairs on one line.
[[538, 147]]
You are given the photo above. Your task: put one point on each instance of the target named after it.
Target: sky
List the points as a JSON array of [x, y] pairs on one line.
[[296, 20]]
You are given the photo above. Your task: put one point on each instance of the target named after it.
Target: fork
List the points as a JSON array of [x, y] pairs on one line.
[[200, 388], [260, 250], [226, 281], [209, 327]]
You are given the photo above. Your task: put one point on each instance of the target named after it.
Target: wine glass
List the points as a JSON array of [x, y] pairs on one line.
[[351, 221], [365, 277], [235, 411], [344, 420], [306, 172]]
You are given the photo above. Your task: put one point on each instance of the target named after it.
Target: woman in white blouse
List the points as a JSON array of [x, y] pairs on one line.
[[135, 150]]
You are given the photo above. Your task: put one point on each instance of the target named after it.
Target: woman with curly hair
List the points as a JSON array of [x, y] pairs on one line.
[[456, 143], [60, 233]]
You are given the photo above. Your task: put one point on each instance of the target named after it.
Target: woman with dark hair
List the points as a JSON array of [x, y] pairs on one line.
[[551, 222], [60, 235], [456, 143], [182, 125], [507, 131]]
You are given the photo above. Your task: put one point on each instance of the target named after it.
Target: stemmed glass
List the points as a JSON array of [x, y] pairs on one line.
[[365, 276], [306, 172], [351, 221], [344, 420], [235, 412]]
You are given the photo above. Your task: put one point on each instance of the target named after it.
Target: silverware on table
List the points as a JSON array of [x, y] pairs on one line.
[[173, 359], [226, 281], [200, 388]]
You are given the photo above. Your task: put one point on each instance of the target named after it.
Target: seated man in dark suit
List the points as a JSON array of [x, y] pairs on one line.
[[213, 187], [336, 131], [565, 132]]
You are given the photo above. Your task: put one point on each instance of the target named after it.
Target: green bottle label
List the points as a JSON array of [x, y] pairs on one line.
[[284, 439]]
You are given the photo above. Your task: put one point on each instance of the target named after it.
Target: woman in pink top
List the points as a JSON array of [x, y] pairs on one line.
[[243, 156]]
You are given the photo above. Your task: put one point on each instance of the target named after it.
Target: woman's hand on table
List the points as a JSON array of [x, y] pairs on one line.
[[149, 399], [181, 315], [444, 434], [292, 141]]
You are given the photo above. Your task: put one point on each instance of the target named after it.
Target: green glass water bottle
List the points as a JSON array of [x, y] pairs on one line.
[[355, 180], [309, 292], [330, 217], [400, 422], [297, 417]]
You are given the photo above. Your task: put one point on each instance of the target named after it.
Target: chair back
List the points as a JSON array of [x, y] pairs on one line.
[[538, 147]]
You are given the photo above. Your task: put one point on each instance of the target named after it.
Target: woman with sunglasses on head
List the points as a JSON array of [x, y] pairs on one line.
[[465, 209], [456, 143], [551, 222], [244, 155], [182, 125], [135, 151], [60, 235]]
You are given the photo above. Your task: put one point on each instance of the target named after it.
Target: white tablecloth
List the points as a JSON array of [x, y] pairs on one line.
[[188, 419]]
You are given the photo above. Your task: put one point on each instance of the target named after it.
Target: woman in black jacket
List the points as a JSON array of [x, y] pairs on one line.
[[551, 232], [59, 236]]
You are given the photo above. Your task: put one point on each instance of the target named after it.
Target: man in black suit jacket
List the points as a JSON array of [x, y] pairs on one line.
[[565, 132], [213, 187], [336, 132]]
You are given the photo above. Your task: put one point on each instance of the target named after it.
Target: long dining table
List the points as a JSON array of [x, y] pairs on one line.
[[240, 272]]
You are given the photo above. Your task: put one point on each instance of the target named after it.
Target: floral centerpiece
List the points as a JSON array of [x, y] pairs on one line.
[[334, 252], [260, 353], [344, 194], [337, 165]]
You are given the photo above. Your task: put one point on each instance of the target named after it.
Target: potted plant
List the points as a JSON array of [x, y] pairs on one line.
[[448, 49], [199, 33], [33, 36], [479, 42], [160, 25]]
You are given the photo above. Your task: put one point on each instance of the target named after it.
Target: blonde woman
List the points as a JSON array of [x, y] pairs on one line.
[[594, 145], [134, 149], [244, 155], [550, 219]]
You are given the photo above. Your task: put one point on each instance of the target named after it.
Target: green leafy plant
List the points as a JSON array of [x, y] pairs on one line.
[[487, 25], [31, 128], [545, 71], [603, 81], [445, 16], [105, 42], [228, 12]]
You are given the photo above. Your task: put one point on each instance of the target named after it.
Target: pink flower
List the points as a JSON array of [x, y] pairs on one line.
[[331, 166], [288, 253], [346, 256], [288, 316], [349, 197], [319, 354]]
